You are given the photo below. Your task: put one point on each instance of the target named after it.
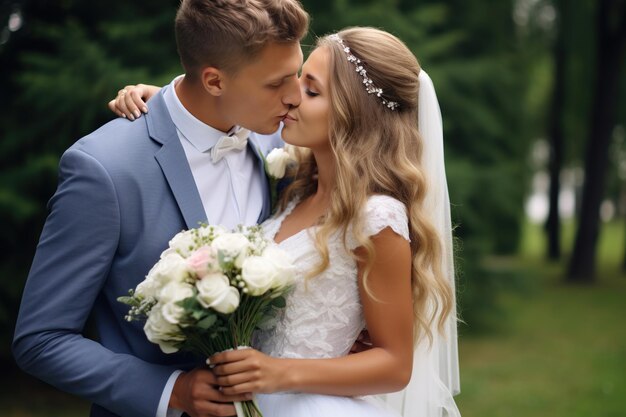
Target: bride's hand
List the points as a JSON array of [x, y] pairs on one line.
[[131, 100], [248, 370]]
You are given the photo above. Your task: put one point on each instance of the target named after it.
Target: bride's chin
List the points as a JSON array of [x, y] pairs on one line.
[[287, 137]]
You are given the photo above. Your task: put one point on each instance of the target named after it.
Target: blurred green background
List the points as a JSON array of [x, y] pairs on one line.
[[533, 96]]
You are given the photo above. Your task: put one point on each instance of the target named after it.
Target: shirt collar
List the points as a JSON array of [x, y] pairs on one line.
[[202, 136]]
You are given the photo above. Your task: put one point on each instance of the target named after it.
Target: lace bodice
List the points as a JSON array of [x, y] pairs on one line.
[[324, 315]]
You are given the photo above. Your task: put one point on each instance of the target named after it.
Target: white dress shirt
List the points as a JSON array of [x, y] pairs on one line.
[[230, 189]]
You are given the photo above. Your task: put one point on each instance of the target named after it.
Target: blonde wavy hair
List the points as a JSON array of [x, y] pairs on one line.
[[377, 151]]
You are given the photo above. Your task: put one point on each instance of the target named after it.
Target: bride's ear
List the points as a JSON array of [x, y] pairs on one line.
[[213, 81]]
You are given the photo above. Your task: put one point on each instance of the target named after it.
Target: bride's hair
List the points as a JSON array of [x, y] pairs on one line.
[[377, 151]]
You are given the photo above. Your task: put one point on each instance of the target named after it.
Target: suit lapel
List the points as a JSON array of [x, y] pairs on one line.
[[173, 162], [256, 149]]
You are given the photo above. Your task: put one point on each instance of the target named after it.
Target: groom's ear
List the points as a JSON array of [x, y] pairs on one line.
[[213, 81]]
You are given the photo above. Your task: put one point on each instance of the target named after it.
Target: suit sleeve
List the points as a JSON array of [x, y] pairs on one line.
[[70, 268]]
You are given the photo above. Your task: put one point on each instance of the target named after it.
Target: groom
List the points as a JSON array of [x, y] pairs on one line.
[[127, 188]]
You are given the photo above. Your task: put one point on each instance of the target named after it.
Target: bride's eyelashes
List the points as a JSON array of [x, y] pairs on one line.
[[311, 93]]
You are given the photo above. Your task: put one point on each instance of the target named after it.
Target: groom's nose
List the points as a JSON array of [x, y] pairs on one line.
[[292, 96]]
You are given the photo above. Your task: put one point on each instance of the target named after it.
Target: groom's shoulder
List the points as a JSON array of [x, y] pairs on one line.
[[115, 139]]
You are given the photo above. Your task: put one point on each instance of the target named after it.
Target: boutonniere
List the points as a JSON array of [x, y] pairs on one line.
[[276, 163]]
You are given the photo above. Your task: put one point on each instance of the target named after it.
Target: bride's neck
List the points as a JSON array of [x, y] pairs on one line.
[[325, 174]]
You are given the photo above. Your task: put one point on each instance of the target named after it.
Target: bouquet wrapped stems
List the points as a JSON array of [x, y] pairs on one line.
[[248, 409], [233, 332]]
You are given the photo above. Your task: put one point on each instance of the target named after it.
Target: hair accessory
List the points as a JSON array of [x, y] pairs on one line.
[[369, 84]]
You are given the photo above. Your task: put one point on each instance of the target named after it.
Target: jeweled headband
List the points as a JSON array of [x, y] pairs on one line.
[[369, 84]]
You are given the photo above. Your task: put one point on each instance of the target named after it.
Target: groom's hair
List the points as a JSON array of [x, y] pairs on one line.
[[226, 34]]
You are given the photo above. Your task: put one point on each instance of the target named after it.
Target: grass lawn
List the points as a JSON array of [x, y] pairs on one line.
[[559, 350]]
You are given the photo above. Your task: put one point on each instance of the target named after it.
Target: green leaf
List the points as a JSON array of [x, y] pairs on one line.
[[188, 303], [207, 322], [197, 314], [226, 263], [279, 302], [131, 301]]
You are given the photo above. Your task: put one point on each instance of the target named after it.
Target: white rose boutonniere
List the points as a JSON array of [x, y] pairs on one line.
[[276, 164]]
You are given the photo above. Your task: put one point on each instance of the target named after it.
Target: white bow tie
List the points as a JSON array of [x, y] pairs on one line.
[[225, 144]]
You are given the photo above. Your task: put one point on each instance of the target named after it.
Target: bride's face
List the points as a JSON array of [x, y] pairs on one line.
[[307, 124]]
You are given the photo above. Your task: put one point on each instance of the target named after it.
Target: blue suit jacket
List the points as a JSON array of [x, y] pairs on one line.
[[124, 191]]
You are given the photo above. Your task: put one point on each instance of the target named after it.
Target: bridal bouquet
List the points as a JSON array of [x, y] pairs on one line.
[[210, 290]]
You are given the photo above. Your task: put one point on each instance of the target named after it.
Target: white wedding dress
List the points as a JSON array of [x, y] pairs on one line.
[[324, 315]]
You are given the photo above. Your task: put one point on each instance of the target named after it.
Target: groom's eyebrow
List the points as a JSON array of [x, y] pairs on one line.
[[283, 77]]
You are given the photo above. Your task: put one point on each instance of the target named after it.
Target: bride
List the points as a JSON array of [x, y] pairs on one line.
[[371, 240]]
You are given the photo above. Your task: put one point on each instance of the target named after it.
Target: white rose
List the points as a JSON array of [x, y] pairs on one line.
[[167, 252], [211, 287], [171, 268], [169, 296], [228, 302], [214, 291], [233, 247], [259, 274], [160, 331], [277, 162], [148, 288], [175, 291], [283, 262], [184, 243], [172, 312]]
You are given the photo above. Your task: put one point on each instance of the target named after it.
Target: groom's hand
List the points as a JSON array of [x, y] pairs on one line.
[[196, 393], [363, 342]]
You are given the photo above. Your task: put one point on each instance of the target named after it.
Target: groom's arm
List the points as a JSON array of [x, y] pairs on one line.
[[71, 265]]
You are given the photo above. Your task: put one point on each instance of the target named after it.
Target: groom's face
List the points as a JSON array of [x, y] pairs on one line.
[[259, 95]]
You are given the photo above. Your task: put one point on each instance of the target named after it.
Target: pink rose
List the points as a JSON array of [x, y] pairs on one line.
[[203, 261]]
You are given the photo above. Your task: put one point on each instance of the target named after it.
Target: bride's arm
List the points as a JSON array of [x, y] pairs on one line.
[[384, 368], [131, 100]]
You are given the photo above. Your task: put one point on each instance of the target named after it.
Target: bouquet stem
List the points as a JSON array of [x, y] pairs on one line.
[[248, 409]]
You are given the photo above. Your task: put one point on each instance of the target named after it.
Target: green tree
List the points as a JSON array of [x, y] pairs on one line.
[[555, 130], [610, 54], [57, 73]]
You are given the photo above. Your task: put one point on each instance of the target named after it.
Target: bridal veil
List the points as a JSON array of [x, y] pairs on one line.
[[435, 377]]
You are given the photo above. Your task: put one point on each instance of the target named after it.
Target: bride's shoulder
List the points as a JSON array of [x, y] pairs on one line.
[[382, 211], [384, 204]]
